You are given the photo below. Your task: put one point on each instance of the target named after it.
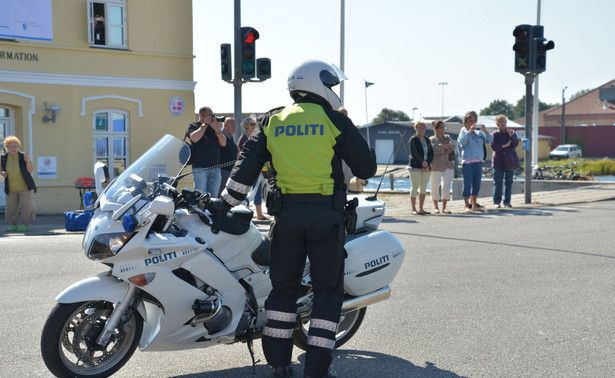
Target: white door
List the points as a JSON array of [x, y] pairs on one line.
[[384, 149], [7, 127]]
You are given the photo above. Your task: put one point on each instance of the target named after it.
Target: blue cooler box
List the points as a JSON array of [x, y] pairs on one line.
[[77, 220]]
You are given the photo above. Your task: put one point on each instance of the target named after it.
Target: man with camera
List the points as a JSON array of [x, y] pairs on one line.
[[206, 138]]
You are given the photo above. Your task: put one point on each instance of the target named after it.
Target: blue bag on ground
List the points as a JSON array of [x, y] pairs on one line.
[[77, 220]]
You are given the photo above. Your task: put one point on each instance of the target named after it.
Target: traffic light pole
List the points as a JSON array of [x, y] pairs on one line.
[[529, 99], [237, 64]]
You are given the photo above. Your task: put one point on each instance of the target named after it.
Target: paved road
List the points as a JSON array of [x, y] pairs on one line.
[[518, 293]]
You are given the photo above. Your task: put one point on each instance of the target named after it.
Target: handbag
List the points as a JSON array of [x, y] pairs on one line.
[[511, 161]]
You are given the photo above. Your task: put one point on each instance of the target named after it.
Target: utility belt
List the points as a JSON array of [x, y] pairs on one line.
[[275, 199], [308, 197]]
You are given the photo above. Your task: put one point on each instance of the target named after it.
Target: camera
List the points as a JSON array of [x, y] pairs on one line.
[[220, 118]]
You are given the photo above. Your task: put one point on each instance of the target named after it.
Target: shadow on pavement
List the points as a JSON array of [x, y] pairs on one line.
[[347, 363]]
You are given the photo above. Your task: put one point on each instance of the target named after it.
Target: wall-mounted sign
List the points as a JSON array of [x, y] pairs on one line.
[[47, 167], [31, 19], [177, 105]]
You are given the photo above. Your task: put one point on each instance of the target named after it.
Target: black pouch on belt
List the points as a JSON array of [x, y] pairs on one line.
[[350, 215], [273, 199]]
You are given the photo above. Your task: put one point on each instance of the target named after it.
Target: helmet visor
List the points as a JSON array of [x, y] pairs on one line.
[[331, 79]]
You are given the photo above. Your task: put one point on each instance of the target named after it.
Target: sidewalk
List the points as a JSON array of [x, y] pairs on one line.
[[398, 206]]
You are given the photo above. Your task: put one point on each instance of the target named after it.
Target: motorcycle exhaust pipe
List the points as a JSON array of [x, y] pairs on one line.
[[366, 300], [205, 310]]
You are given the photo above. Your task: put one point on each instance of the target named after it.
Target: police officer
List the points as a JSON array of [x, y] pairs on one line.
[[305, 143]]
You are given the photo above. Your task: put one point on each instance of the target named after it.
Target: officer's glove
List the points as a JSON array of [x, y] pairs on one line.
[[218, 206]]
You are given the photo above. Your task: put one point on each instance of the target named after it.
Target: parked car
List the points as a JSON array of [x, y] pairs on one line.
[[566, 151]]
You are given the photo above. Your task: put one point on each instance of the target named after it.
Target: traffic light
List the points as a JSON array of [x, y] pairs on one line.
[[263, 68], [225, 62], [539, 47], [248, 37], [523, 48]]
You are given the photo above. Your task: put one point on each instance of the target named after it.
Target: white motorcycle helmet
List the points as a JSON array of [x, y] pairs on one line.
[[316, 78]]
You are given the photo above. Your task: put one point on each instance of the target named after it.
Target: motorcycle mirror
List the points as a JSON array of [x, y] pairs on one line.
[[184, 154], [101, 174], [162, 205]]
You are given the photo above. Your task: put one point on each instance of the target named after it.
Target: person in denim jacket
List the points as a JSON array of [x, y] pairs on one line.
[[471, 143], [504, 143]]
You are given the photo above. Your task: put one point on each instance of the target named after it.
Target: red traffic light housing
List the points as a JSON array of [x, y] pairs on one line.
[[248, 37], [522, 48]]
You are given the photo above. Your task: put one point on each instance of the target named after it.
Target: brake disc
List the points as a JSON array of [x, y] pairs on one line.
[[85, 347]]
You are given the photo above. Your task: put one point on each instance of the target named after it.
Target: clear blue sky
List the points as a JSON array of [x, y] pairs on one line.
[[406, 47]]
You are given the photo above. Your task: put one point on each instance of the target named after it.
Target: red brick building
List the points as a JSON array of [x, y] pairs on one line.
[[589, 122]]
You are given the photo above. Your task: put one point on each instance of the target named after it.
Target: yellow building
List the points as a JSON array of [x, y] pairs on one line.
[[84, 81]]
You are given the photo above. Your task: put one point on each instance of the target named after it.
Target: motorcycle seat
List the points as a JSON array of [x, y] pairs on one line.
[[261, 253]]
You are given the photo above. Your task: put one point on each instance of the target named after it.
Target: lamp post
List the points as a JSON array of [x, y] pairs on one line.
[[413, 109], [442, 84], [564, 116]]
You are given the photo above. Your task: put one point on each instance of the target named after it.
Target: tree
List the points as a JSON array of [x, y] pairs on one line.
[[497, 107], [390, 115], [579, 93], [519, 109]]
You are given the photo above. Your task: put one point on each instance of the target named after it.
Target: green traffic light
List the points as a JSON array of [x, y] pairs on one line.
[[247, 67]]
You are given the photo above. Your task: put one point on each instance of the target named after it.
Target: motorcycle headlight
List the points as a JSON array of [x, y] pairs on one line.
[[108, 245]]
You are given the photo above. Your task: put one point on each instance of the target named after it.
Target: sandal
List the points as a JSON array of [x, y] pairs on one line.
[[436, 211], [424, 212], [467, 210], [414, 212], [446, 211]]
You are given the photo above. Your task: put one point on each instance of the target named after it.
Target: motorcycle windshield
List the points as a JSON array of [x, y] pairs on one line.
[[165, 158]]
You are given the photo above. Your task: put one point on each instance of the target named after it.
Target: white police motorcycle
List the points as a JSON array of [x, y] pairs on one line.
[[182, 277]]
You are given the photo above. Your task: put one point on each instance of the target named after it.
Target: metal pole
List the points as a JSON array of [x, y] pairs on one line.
[[563, 141], [413, 109], [237, 65], [365, 89], [442, 84], [536, 101], [529, 78], [342, 45], [366, 117]]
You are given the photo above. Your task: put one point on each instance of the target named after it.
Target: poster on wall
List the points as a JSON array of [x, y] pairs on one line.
[[26, 19], [47, 167]]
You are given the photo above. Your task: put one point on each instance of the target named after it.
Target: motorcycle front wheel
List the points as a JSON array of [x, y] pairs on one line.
[[68, 342], [348, 326]]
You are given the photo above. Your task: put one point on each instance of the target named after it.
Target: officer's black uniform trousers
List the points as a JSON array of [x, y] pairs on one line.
[[312, 228]]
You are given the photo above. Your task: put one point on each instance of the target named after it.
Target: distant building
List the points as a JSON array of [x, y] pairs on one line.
[[385, 137], [589, 122]]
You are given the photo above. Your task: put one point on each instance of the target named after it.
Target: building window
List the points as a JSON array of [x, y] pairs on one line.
[[107, 23], [6, 123], [111, 140]]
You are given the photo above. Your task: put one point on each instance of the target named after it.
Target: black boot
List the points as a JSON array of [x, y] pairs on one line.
[[285, 371]]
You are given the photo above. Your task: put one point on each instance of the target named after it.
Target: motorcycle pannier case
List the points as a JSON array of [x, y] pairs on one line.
[[373, 261]]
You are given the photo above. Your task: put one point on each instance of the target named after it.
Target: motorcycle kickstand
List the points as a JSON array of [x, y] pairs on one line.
[[250, 340]]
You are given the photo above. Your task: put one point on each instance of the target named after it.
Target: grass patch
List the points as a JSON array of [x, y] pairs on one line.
[[601, 167]]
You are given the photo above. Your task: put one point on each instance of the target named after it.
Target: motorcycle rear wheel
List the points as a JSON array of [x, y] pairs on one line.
[[68, 342], [348, 326]]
